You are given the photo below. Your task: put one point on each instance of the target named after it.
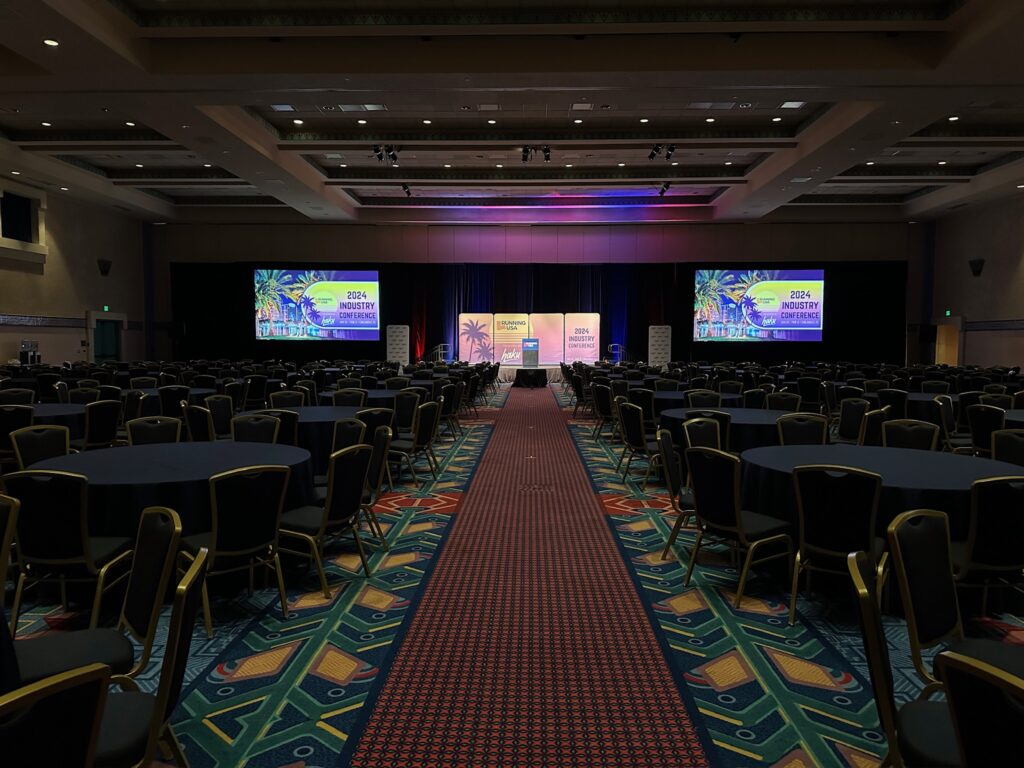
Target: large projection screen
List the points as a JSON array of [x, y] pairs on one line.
[[298, 305], [750, 305]]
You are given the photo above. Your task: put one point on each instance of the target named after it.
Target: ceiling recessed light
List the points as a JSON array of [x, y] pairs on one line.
[[953, 118], [709, 119], [776, 119], [426, 122], [447, 165], [942, 162], [15, 173], [870, 162], [51, 42], [644, 120], [139, 165], [492, 122], [728, 162], [1020, 186], [342, 165], [361, 121], [46, 125], [185, 127], [622, 165], [578, 121], [207, 165], [296, 121], [499, 165], [130, 124], [675, 162], [64, 189], [568, 165]]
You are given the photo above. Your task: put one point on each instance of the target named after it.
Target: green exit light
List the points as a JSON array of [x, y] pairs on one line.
[[948, 313], [106, 308]]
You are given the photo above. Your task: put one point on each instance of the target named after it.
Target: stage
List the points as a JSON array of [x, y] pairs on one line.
[[507, 373]]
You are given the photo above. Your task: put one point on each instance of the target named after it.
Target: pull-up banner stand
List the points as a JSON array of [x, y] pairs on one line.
[[398, 344], [659, 344]]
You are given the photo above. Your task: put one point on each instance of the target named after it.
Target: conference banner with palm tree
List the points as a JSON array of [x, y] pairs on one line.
[[317, 304], [561, 337]]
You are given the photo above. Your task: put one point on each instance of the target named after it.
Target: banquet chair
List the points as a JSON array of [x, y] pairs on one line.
[[933, 387], [875, 385], [136, 724], [809, 389], [1007, 445], [644, 398], [802, 429], [17, 396], [38, 443], [288, 433], [61, 392], [235, 390], [836, 508], [450, 409], [350, 397], [702, 432], [396, 382], [987, 706], [723, 418], [994, 389], [680, 498], [920, 733], [851, 413], [967, 399], [347, 432], [12, 418], [635, 442], [583, 395], [309, 388], [46, 387], [992, 555], [703, 398], [755, 398], [983, 421], [220, 408], [246, 506], [895, 400], [287, 398], [783, 401], [603, 415], [153, 559], [665, 385], [101, 420], [368, 382], [56, 721], [715, 480], [132, 408], [407, 405], [316, 525], [846, 392], [203, 381], [1018, 400], [376, 417], [381, 444], [350, 382], [199, 423], [998, 400], [143, 382], [729, 387], [871, 428], [910, 433], [82, 396], [921, 556], [152, 430], [420, 442], [254, 392], [54, 545], [171, 398], [255, 428], [9, 507], [87, 384]]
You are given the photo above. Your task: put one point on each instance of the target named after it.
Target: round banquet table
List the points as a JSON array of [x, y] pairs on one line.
[[375, 398], [911, 479], [124, 481], [316, 431], [750, 427], [151, 402], [915, 403], [61, 414], [668, 399], [1015, 419]]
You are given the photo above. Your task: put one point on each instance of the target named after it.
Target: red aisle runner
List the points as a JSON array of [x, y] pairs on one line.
[[530, 646]]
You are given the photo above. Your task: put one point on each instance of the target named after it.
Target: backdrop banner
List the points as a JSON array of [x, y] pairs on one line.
[[476, 337], [398, 344], [509, 332], [659, 344], [548, 328], [582, 337]]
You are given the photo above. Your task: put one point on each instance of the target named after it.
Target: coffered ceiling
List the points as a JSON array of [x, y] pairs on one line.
[[504, 110]]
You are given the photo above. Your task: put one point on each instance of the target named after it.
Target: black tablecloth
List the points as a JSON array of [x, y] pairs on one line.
[[750, 427], [124, 481], [316, 431], [151, 402], [531, 377], [663, 400], [910, 479], [70, 416], [375, 398], [915, 403], [1015, 419]]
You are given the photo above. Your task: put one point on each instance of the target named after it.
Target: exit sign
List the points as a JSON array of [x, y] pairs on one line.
[[106, 308], [948, 313]]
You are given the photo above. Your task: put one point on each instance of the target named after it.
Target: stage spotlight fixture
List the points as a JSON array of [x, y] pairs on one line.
[[526, 154], [392, 154], [547, 153], [664, 189], [408, 192], [377, 153], [670, 151], [655, 151]]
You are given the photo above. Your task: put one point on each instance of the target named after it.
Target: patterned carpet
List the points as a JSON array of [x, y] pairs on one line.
[[530, 646], [270, 693]]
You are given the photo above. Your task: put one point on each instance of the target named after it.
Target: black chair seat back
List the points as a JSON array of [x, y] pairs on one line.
[[152, 430], [376, 417], [346, 484], [347, 432], [255, 428], [247, 505], [837, 507], [351, 397]]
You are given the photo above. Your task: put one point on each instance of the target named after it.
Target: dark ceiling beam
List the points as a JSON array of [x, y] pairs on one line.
[[517, 140]]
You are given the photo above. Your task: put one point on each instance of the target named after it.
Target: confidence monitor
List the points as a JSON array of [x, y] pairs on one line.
[[758, 304], [297, 305]]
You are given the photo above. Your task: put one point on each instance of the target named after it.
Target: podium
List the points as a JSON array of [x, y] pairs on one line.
[[530, 375], [531, 352]]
